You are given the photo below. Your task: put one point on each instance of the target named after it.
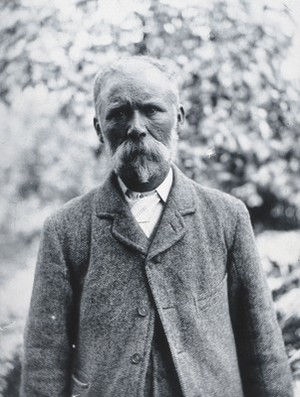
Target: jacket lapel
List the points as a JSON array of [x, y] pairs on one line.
[[179, 204], [110, 204]]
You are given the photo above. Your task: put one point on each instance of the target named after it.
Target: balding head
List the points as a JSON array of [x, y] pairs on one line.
[[136, 64]]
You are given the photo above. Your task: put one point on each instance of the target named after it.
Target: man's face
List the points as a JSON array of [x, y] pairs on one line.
[[138, 117]]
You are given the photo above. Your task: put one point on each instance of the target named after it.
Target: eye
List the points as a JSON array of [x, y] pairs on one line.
[[118, 114], [151, 110]]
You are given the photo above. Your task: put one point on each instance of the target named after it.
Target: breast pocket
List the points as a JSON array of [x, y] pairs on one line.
[[79, 386]]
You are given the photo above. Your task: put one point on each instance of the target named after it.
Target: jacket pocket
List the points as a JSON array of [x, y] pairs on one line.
[[79, 386], [219, 292]]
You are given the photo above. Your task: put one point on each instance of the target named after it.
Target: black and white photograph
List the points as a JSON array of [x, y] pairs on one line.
[[150, 198]]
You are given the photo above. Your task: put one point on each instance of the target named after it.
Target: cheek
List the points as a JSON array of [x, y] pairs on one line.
[[161, 130], [115, 134]]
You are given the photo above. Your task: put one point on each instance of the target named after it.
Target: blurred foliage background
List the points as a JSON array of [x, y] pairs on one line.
[[242, 133]]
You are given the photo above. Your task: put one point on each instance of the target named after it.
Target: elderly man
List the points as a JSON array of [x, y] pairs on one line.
[[150, 285]]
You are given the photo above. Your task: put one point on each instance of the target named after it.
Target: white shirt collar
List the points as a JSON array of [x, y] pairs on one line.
[[162, 190]]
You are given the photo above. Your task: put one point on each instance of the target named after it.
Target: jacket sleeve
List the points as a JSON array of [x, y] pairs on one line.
[[47, 348], [262, 357]]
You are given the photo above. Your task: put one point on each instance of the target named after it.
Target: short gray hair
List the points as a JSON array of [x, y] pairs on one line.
[[118, 65]]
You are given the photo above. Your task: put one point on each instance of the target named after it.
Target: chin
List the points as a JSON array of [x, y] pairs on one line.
[[142, 162], [142, 172]]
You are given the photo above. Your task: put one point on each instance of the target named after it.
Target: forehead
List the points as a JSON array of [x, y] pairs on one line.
[[138, 83]]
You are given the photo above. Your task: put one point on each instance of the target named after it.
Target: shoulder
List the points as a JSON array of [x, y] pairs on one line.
[[218, 201], [70, 228], [221, 211], [211, 203], [74, 214]]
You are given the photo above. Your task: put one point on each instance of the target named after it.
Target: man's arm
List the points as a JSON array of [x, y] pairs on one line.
[[47, 348], [261, 352]]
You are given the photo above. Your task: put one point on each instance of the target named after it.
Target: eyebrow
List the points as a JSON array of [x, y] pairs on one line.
[[117, 106], [114, 109], [117, 103], [157, 104], [120, 105]]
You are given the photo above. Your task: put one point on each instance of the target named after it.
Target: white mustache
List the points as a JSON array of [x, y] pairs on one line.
[[138, 151]]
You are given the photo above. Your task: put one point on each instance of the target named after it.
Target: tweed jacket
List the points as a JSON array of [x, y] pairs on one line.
[[98, 285]]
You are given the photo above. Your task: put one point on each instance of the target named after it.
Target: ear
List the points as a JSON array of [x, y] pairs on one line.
[[180, 114], [97, 127]]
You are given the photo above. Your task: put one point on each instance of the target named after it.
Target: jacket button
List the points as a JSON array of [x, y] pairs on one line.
[[136, 358], [142, 311]]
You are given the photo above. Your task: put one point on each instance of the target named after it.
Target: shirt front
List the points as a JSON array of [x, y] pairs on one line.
[[147, 207]]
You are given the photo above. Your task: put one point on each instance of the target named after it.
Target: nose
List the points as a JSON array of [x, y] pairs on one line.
[[137, 128]]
